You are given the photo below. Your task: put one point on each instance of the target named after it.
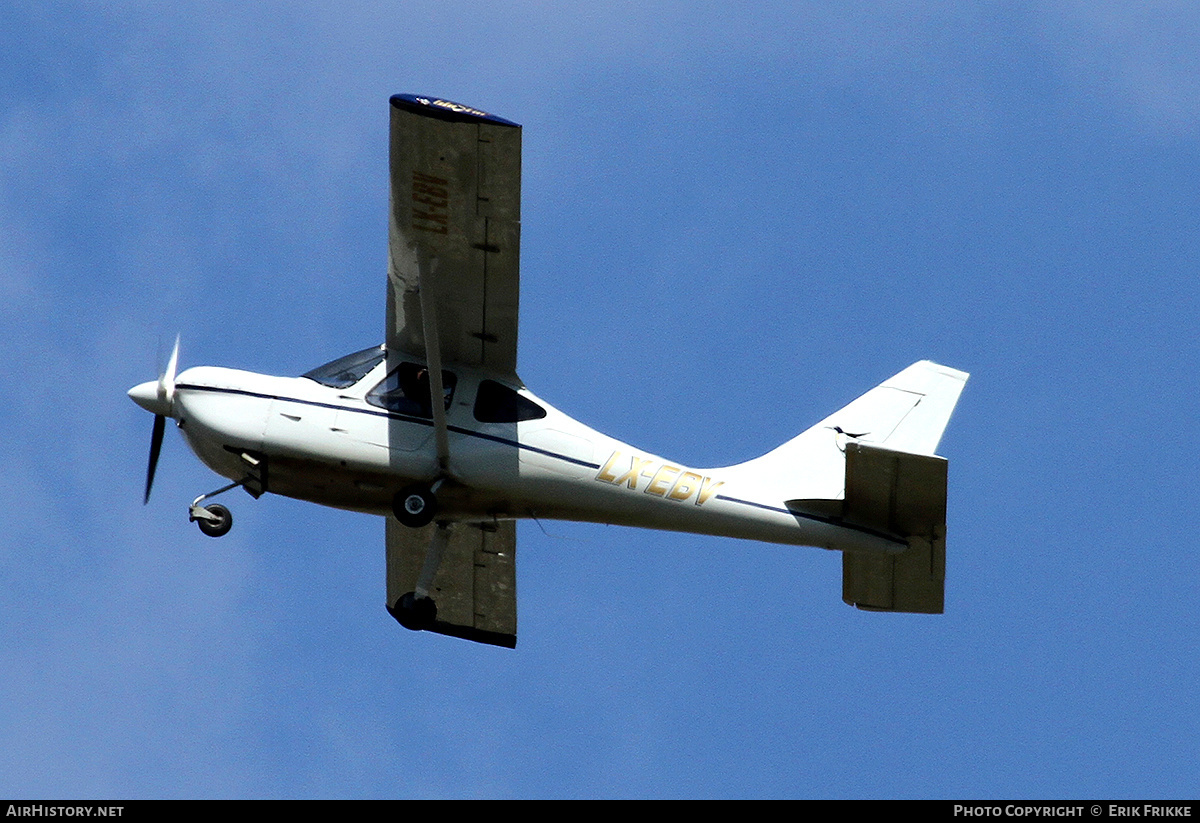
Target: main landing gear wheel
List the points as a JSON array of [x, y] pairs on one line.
[[219, 522], [415, 506], [415, 613]]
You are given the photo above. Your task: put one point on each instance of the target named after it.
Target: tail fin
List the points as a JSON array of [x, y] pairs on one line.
[[907, 413], [934, 392], [871, 465]]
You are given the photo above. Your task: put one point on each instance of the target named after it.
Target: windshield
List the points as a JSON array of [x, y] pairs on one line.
[[346, 371]]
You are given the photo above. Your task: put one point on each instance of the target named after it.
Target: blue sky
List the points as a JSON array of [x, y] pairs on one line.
[[732, 225]]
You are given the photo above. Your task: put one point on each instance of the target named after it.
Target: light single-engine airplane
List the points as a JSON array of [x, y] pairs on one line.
[[435, 431]]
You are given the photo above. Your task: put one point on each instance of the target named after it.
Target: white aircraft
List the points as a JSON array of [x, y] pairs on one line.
[[435, 431]]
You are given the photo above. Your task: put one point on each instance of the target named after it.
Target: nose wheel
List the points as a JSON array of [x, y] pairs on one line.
[[214, 520]]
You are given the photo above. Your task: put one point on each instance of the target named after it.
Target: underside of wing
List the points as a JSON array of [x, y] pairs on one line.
[[475, 588], [454, 231]]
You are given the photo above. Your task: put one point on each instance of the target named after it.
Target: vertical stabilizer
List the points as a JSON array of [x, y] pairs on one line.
[[935, 390], [907, 412]]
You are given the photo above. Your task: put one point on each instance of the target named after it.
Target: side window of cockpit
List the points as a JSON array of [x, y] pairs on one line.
[[497, 403], [406, 390]]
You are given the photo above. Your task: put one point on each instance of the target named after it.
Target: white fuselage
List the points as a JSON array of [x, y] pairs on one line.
[[331, 446]]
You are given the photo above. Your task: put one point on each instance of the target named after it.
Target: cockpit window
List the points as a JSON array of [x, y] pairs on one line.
[[497, 403], [346, 371], [406, 390]]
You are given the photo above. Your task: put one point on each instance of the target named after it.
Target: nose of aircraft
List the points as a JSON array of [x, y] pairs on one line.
[[146, 395]]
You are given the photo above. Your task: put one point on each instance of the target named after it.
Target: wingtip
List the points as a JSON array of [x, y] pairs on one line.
[[948, 371], [442, 109]]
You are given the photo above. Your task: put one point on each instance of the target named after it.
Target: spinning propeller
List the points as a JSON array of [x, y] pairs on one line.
[[157, 397]]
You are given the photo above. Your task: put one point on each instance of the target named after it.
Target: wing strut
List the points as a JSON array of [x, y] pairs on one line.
[[433, 354]]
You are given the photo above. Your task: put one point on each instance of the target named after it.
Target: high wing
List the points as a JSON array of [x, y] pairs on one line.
[[476, 582], [454, 233]]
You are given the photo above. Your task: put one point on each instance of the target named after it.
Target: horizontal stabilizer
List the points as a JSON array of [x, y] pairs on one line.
[[905, 495]]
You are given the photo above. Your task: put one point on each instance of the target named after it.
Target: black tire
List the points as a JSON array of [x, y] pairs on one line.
[[219, 527], [415, 613], [415, 506]]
